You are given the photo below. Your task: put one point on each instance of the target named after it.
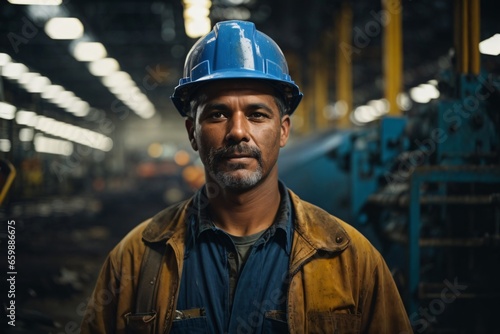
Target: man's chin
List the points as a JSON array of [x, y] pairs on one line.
[[238, 179]]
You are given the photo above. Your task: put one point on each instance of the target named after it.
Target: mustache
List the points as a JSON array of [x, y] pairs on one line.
[[227, 151]]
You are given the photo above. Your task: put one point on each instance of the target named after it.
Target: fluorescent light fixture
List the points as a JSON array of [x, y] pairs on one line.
[[431, 90], [74, 133], [24, 117], [197, 27], [404, 101], [7, 111], [25, 78], [52, 91], [62, 98], [5, 145], [490, 46], [79, 108], [194, 12], [365, 114], [196, 20], [53, 146], [64, 28], [89, 51], [118, 79], [36, 2], [26, 134], [68, 102], [380, 107], [14, 70], [37, 84], [200, 3], [4, 59], [103, 67]]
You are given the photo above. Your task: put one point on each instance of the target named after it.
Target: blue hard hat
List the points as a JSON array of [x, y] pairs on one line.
[[236, 50]]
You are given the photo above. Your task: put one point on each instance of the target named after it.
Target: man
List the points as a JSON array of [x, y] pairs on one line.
[[245, 254]]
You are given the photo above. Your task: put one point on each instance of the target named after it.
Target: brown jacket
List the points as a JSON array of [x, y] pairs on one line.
[[339, 282]]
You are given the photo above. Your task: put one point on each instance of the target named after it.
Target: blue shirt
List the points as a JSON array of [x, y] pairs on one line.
[[259, 302]]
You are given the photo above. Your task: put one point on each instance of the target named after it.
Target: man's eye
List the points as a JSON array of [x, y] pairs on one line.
[[257, 115], [217, 115]]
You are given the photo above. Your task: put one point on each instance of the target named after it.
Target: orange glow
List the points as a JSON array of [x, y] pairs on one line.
[[182, 158], [194, 176], [155, 150]]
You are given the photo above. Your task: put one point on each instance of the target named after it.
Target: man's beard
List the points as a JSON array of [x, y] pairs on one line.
[[225, 178]]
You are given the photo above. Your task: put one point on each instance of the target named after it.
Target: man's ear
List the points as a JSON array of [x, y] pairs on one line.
[[189, 123], [286, 123]]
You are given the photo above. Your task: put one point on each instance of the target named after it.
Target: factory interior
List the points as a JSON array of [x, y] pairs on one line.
[[398, 134]]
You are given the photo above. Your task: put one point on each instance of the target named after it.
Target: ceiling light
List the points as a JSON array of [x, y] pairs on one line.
[[89, 51], [79, 108], [24, 117], [37, 84], [36, 2], [4, 59], [196, 20], [14, 70], [7, 111], [364, 114], [403, 101], [197, 27], [62, 98], [419, 94], [193, 12], [64, 28], [5, 145], [26, 134], [201, 3], [118, 79], [53, 146], [52, 91], [67, 103], [25, 78], [490, 46], [103, 67], [380, 107]]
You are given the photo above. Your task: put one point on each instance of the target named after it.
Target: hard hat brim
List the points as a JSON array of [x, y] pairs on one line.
[[185, 90]]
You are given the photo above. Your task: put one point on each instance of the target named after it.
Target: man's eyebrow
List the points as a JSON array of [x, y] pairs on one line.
[[257, 106], [215, 105]]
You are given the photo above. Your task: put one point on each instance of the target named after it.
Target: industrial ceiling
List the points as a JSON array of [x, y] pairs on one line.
[[149, 41]]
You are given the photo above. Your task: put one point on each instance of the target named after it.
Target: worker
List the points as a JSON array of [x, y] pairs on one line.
[[244, 254]]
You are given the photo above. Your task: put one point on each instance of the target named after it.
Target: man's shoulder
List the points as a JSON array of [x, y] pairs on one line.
[[155, 229], [326, 226]]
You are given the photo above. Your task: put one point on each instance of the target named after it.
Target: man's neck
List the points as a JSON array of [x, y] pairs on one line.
[[246, 213]]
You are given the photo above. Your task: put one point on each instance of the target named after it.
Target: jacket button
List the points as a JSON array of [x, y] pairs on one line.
[[230, 255], [339, 239]]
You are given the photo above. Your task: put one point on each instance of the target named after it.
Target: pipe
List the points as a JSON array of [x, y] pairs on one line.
[[393, 54], [344, 62]]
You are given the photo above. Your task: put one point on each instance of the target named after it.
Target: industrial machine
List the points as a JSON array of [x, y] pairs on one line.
[[424, 188]]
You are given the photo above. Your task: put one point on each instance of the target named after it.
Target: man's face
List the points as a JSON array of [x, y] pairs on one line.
[[238, 132]]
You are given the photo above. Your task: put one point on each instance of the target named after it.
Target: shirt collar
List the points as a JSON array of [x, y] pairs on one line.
[[199, 219]]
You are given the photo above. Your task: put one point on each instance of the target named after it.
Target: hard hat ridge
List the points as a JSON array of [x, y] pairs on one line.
[[235, 50]]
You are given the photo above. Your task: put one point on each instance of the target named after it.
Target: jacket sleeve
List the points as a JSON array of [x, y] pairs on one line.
[[383, 310], [100, 314]]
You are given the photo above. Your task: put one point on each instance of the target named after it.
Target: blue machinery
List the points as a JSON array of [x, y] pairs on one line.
[[425, 190]]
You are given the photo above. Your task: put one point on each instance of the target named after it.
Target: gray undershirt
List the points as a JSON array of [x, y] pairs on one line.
[[243, 246]]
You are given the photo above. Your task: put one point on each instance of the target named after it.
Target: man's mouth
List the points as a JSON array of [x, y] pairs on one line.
[[236, 156]]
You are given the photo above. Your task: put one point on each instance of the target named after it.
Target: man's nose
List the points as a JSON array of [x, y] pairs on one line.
[[238, 128]]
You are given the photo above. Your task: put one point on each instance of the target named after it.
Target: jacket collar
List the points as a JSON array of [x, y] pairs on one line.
[[317, 233], [167, 223], [316, 230]]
